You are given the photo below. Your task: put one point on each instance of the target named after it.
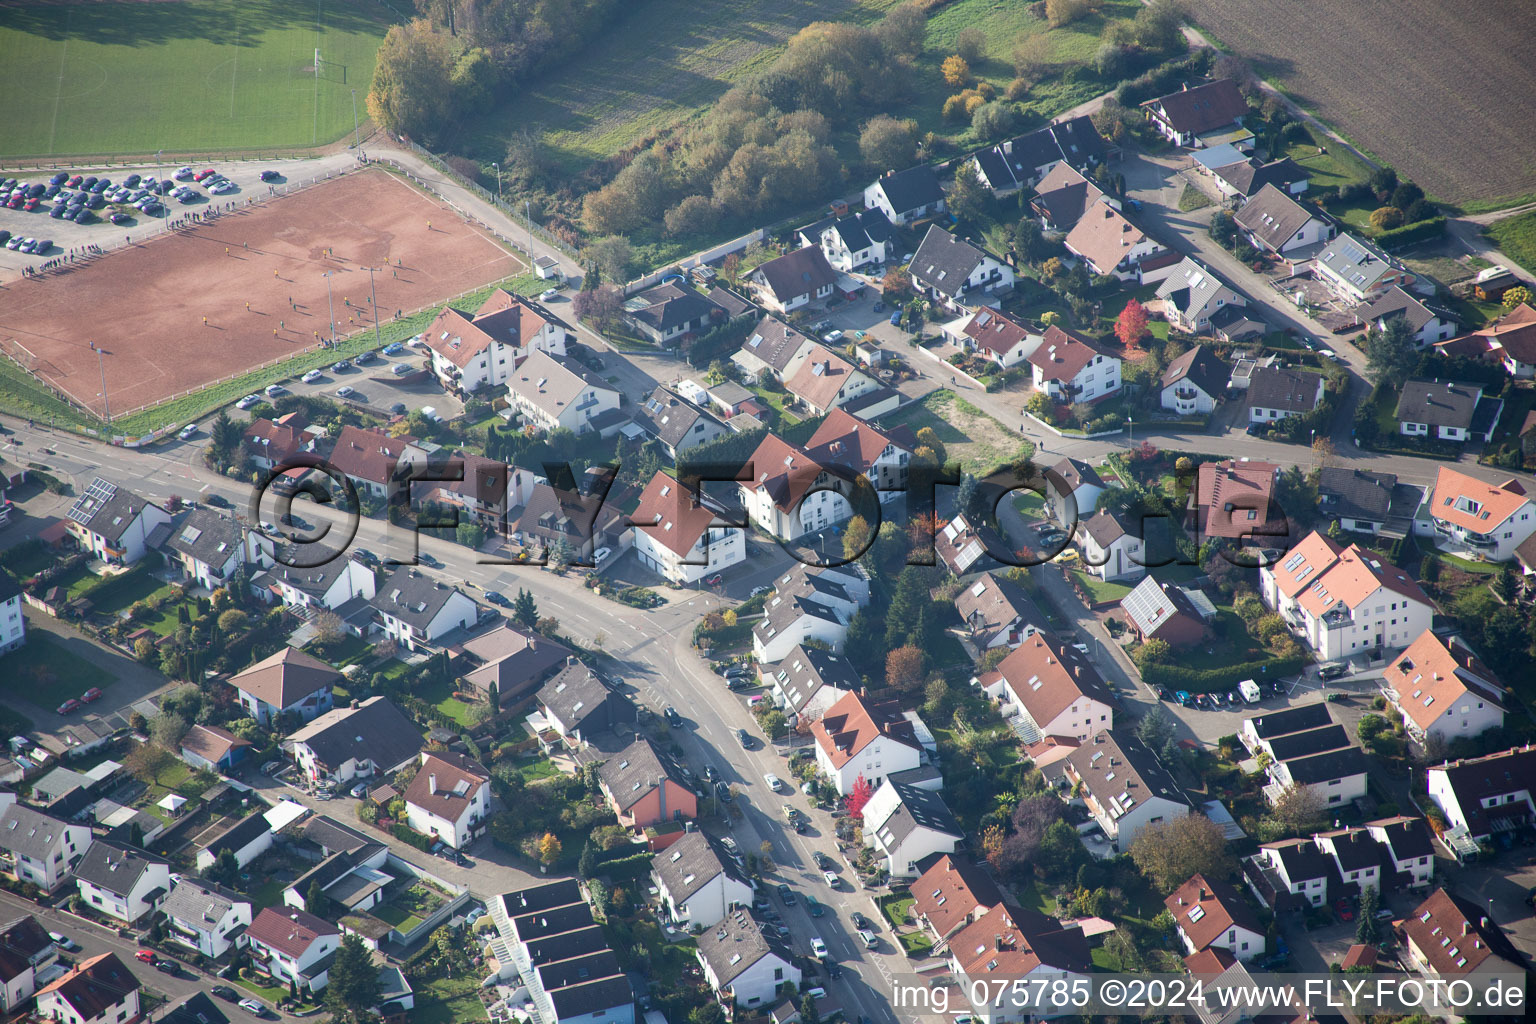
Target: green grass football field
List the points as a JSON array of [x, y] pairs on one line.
[[96, 77]]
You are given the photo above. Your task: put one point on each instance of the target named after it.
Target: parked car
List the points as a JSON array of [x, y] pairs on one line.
[[786, 894], [91, 696], [345, 391], [146, 956], [399, 369], [495, 597], [398, 409], [341, 366], [64, 942], [218, 501], [1333, 671], [359, 791], [311, 376], [548, 294], [601, 555], [744, 739], [269, 175], [187, 432], [868, 938], [273, 390], [774, 782], [204, 174], [170, 967], [70, 706], [760, 590], [225, 993], [248, 401], [366, 557]]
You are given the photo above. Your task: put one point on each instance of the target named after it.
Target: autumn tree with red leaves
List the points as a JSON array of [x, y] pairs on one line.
[[858, 796], [1131, 326]]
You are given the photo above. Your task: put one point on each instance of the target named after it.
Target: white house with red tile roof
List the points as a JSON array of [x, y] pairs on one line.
[[848, 442], [1475, 517], [858, 737], [1069, 369], [293, 946], [1489, 794], [673, 534], [954, 892], [1455, 940], [449, 799], [1053, 689], [371, 458], [1019, 945], [1443, 690], [995, 336], [779, 497], [1345, 601], [1209, 914], [472, 352], [1109, 244], [825, 380], [270, 442], [1510, 340], [1232, 499]]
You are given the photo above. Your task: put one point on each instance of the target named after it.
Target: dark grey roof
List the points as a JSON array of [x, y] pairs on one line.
[[1290, 391], [541, 897], [199, 902], [573, 693], [1355, 493], [9, 588], [636, 770], [673, 305], [1202, 368], [26, 831], [690, 864], [1408, 837], [1437, 403], [801, 272], [113, 866], [806, 670], [1302, 860], [1233, 323], [911, 188], [335, 867], [412, 596], [552, 921], [774, 342], [586, 985], [107, 509], [1297, 719], [1357, 262], [785, 611], [1248, 176], [1354, 849], [1202, 108], [1106, 527], [735, 944], [376, 730], [918, 808], [1272, 216], [669, 417], [1192, 288], [242, 835], [195, 1009], [1074, 140], [994, 603], [1335, 764], [1312, 741], [733, 304], [1121, 772], [312, 580], [944, 262], [333, 836], [207, 536]]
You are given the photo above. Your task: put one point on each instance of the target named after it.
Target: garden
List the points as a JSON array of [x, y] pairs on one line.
[[48, 673]]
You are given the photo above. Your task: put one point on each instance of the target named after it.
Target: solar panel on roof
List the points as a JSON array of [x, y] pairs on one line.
[[98, 494]]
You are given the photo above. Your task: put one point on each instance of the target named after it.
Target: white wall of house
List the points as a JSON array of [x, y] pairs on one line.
[[1470, 714], [52, 1005], [717, 548], [207, 858], [456, 834], [1187, 399], [880, 758], [1497, 545], [1121, 560], [286, 968], [129, 907], [758, 985], [901, 860], [1122, 831], [1313, 890], [806, 627], [1385, 620], [212, 938], [710, 903], [1100, 378], [1081, 719], [51, 872], [1237, 940]]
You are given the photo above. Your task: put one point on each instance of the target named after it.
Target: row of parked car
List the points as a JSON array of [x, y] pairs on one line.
[[30, 246], [74, 704]]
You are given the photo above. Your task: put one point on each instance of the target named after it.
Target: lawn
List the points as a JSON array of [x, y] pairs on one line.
[[1234, 646], [1516, 238], [978, 440], [898, 911], [120, 594], [48, 674], [271, 993], [449, 1001], [407, 909], [1193, 198], [342, 652], [394, 916], [1337, 166], [543, 768], [1033, 897], [1099, 590], [193, 76], [440, 695], [1028, 503], [268, 894], [1467, 565]]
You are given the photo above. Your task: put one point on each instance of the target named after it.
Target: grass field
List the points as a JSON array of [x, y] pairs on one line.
[[978, 440], [193, 76], [47, 674], [1516, 238]]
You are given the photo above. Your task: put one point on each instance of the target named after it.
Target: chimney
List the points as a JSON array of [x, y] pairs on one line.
[[997, 942], [1484, 923], [1202, 894], [355, 704], [432, 783]]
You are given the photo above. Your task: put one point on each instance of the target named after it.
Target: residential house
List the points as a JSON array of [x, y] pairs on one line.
[[114, 524], [210, 547], [550, 393], [449, 799], [906, 824], [272, 443], [809, 604], [293, 947], [1111, 546], [198, 1008], [956, 274], [1210, 913], [699, 883], [579, 706], [1069, 369], [1276, 393], [562, 957], [906, 196], [211, 748], [351, 881], [997, 337], [1249, 177], [854, 240], [965, 548], [1429, 324], [774, 349], [1510, 341], [1110, 245], [97, 990], [644, 789], [672, 311], [1194, 382], [675, 533], [206, 917], [848, 444], [1123, 786], [288, 682], [417, 610], [1192, 295], [38, 849], [1482, 519], [1233, 499], [1022, 945], [1360, 499], [1182, 117], [1410, 855], [1344, 601], [585, 518], [1157, 609], [341, 585], [1359, 272], [1072, 491], [1446, 411], [676, 423], [1063, 197], [1053, 689], [507, 663], [122, 881], [954, 892], [1443, 691], [25, 947], [1336, 777], [790, 494], [248, 840], [1481, 796], [1452, 938], [1028, 160], [369, 738], [1259, 732], [470, 353], [744, 965], [374, 461], [485, 488], [794, 280], [825, 380], [13, 624], [998, 613], [858, 738], [1276, 222], [809, 681]]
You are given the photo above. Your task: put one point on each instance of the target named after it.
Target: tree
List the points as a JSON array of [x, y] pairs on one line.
[[695, 215], [549, 849], [969, 199], [1029, 242], [411, 91], [1516, 296], [1506, 583], [1383, 182], [1031, 55], [971, 45], [1298, 810], [889, 143], [1391, 355], [1064, 12], [1385, 218], [600, 306], [148, 761], [315, 901], [1169, 852], [1223, 230], [226, 867], [327, 625], [858, 796], [353, 989], [1156, 730], [994, 119], [1153, 651], [927, 437], [167, 729], [232, 621], [904, 667], [524, 609], [956, 71], [1131, 326], [612, 255], [857, 537], [1367, 931]]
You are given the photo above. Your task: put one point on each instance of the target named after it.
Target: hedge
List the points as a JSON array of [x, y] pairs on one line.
[[1205, 680], [406, 834], [1395, 238]]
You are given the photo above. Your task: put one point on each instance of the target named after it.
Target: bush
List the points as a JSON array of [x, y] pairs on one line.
[[1181, 677], [1411, 233], [406, 834]]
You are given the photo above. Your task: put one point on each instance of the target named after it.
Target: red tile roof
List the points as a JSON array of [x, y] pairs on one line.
[[1453, 937], [953, 889], [95, 985], [1205, 910], [786, 471], [445, 784], [1473, 504], [289, 931], [994, 330], [1430, 675], [1232, 499], [843, 439], [1104, 237], [821, 377], [850, 725], [1047, 677], [1062, 355], [368, 454], [680, 520]]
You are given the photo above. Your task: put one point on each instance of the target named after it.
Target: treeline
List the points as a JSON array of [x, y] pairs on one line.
[[766, 144], [460, 53]]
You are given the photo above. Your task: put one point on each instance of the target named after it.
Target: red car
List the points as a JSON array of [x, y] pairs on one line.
[[147, 956], [206, 172], [30, 205], [76, 180], [91, 696], [70, 705]]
